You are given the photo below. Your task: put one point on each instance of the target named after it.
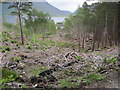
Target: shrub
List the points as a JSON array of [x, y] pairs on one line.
[[7, 48], [29, 47], [38, 69], [4, 40], [66, 84], [6, 73], [93, 76], [112, 60], [17, 44], [3, 50], [57, 60], [1, 47], [7, 76], [16, 59], [13, 41], [79, 58], [68, 36], [18, 47], [68, 72], [23, 86]]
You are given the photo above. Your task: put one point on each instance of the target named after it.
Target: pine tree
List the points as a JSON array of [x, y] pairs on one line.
[[20, 8]]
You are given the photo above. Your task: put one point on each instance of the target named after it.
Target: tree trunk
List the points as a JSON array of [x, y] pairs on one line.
[[105, 31], [21, 31], [79, 44], [118, 32], [94, 38], [83, 43], [93, 46], [79, 40]]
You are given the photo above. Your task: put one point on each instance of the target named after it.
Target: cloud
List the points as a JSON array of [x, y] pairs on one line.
[[70, 5]]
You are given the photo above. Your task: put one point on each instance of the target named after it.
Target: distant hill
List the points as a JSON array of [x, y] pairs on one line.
[[40, 6], [51, 10], [6, 14]]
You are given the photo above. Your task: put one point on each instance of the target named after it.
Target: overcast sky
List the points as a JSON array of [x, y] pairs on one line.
[[70, 5]]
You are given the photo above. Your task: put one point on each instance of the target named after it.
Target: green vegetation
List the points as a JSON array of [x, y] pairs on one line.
[[29, 47], [46, 42], [112, 60], [6, 72], [10, 26], [13, 41], [17, 59], [23, 86], [57, 60], [7, 48], [54, 54], [93, 20], [94, 77], [1, 47], [79, 58], [38, 69], [7, 76], [3, 50], [35, 20], [64, 83], [5, 36], [20, 7], [69, 72], [68, 35]]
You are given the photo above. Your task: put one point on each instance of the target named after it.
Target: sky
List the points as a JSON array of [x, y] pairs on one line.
[[69, 5]]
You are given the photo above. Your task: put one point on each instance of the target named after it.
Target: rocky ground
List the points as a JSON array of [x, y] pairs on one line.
[[60, 67]]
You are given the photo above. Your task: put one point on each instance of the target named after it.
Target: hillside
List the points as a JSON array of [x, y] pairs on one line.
[[40, 6], [57, 65], [47, 8], [81, 52]]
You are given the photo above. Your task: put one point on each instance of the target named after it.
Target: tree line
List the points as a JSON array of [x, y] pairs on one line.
[[96, 24]]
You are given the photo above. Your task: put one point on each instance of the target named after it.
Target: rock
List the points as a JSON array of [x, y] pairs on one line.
[[11, 64], [51, 78], [20, 66], [47, 72], [22, 55], [40, 86], [35, 79], [79, 73], [70, 63], [20, 78], [103, 71]]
